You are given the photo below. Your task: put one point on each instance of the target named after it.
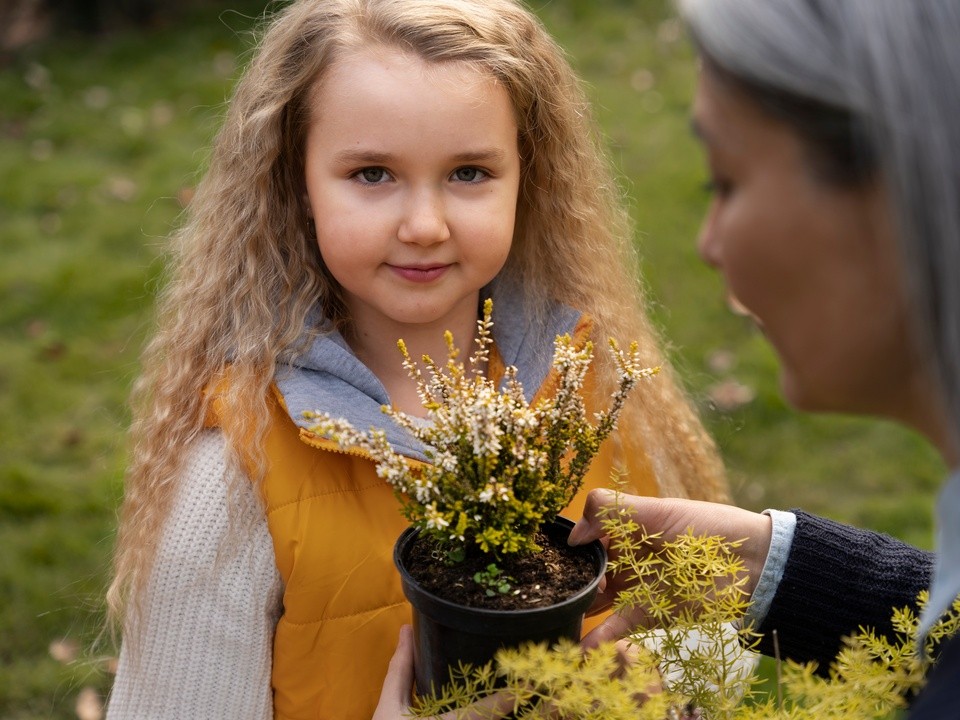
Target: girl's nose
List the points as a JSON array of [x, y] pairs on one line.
[[424, 220]]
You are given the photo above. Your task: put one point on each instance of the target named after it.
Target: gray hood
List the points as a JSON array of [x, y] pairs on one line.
[[329, 378]]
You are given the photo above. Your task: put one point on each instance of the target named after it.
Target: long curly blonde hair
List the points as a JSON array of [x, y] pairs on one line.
[[246, 272]]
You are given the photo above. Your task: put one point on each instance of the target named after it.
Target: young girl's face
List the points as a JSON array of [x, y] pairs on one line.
[[412, 175]]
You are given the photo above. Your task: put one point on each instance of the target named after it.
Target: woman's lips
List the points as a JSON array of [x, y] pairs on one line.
[[738, 308], [419, 273]]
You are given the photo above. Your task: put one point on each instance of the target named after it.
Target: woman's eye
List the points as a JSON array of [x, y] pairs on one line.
[[718, 187], [469, 174], [372, 175]]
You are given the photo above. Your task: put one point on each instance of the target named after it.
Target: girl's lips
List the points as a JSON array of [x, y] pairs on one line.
[[419, 274]]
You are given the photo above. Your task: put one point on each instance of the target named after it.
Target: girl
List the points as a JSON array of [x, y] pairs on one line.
[[832, 140], [384, 166]]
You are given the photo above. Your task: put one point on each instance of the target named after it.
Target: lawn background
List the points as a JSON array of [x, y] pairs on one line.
[[101, 140]]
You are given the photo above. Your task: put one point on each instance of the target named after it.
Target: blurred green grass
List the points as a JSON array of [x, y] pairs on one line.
[[100, 143]]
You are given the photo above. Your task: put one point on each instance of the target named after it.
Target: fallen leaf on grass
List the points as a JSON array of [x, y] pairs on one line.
[[721, 361], [730, 395], [64, 650], [121, 188], [89, 705], [36, 328], [52, 351]]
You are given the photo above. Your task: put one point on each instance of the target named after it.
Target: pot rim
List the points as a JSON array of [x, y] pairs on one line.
[[428, 603]]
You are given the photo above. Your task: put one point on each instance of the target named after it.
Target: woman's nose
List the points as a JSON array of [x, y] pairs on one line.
[[707, 245], [424, 220]]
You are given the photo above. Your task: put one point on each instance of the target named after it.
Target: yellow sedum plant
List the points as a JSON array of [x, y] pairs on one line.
[[691, 587]]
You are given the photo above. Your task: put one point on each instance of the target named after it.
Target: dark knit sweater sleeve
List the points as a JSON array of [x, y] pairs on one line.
[[838, 579]]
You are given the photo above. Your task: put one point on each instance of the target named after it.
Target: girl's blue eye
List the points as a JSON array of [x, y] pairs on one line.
[[373, 175], [469, 174]]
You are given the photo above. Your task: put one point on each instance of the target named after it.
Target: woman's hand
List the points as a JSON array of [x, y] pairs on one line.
[[669, 517]]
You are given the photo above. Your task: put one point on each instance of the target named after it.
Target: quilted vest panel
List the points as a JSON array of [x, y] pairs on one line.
[[334, 523]]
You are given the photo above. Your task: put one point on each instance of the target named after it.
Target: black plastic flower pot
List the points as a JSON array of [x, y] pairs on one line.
[[447, 634]]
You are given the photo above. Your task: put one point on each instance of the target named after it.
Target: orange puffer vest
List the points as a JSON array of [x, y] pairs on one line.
[[334, 524]]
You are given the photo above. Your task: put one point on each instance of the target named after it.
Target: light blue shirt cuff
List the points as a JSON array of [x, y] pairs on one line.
[[781, 540]]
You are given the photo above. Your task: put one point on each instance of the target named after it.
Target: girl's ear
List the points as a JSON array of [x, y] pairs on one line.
[[306, 205]]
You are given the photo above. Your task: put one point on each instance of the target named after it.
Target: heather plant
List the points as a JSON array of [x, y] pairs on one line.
[[499, 465], [691, 664]]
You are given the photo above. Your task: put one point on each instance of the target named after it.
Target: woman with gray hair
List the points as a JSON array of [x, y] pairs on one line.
[[832, 134], [833, 143]]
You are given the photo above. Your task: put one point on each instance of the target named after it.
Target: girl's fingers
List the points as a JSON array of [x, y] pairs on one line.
[[612, 629], [498, 705], [395, 694]]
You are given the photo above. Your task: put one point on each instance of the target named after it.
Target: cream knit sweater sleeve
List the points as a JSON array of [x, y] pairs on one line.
[[206, 640]]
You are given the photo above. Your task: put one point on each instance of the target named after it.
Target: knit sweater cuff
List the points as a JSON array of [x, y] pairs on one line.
[[838, 579]]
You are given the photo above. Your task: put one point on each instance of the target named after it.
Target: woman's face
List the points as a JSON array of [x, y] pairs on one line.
[[815, 264]]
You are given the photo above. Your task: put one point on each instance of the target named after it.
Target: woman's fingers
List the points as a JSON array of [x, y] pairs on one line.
[[588, 528]]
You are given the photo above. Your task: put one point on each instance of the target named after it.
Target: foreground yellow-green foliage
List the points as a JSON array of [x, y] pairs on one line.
[[696, 662]]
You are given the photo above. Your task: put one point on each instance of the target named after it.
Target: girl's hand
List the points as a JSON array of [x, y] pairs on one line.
[[670, 517], [395, 694]]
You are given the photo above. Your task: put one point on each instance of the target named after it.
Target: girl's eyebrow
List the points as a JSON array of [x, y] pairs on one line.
[[375, 157], [481, 155]]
